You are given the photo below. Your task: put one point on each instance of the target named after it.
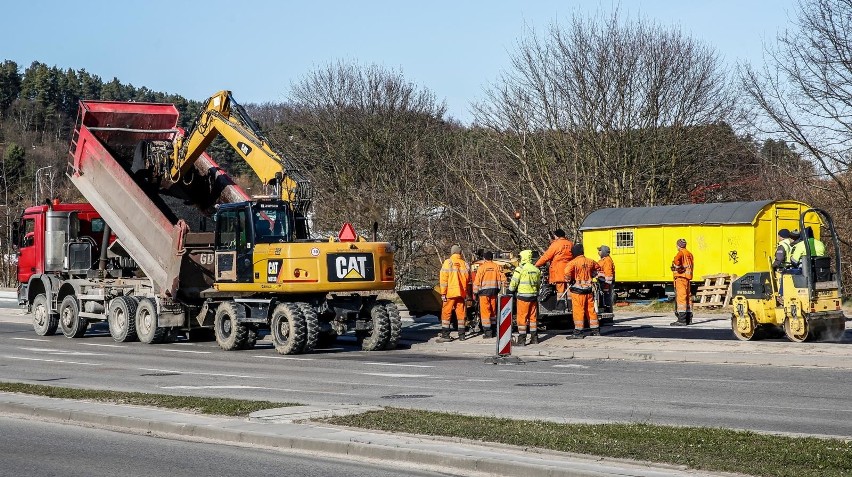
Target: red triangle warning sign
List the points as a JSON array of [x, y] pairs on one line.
[[347, 233]]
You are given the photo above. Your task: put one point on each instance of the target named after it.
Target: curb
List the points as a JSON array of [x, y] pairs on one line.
[[340, 448]]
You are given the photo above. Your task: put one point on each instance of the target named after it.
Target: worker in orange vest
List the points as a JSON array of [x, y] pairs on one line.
[[579, 273], [606, 277], [682, 267], [454, 287], [558, 254], [487, 284]]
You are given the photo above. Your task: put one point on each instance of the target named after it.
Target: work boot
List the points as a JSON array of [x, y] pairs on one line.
[[522, 340], [534, 337], [681, 320], [444, 337], [576, 335], [486, 334], [595, 332], [462, 333], [688, 317]]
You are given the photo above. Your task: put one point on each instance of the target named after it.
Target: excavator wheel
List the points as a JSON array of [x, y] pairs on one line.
[[288, 329], [312, 326], [146, 323], [796, 328], [230, 333], [377, 338], [395, 322]]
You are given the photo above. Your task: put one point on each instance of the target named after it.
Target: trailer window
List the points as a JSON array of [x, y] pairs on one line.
[[624, 239]]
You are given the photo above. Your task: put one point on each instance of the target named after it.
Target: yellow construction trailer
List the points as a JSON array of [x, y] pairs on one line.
[[727, 237]]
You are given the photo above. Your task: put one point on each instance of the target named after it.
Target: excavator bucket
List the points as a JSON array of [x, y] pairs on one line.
[[421, 300]]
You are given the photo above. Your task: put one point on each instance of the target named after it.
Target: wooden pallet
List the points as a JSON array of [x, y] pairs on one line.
[[716, 291]]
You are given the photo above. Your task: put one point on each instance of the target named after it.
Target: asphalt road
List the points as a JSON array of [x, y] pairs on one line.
[[778, 399], [42, 449]]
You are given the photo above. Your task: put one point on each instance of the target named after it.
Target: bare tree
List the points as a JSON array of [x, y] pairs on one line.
[[601, 112]]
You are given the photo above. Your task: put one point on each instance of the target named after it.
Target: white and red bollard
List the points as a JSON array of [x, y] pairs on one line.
[[504, 333]]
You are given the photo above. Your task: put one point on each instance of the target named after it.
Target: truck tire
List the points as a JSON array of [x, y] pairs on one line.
[[146, 323], [312, 326], [122, 319], [395, 322], [69, 318], [377, 338], [230, 333], [288, 329], [44, 322]]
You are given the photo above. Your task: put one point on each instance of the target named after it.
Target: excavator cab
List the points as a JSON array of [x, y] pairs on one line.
[[804, 302]]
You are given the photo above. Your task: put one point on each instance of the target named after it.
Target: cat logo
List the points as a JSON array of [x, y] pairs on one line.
[[344, 267], [244, 148], [273, 268]]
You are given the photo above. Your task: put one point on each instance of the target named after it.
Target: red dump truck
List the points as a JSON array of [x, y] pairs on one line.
[[155, 260]]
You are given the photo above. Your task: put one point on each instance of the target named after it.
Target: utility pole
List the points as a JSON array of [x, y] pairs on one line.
[[36, 186]]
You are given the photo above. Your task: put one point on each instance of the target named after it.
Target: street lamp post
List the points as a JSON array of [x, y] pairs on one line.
[[36, 187]]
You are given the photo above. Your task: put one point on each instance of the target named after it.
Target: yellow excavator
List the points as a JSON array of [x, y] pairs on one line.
[[805, 302], [266, 265]]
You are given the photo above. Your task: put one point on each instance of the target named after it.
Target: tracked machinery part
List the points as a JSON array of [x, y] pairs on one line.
[[146, 323], [73, 326], [45, 323], [231, 334], [121, 318], [395, 322], [312, 326], [378, 336], [288, 329]]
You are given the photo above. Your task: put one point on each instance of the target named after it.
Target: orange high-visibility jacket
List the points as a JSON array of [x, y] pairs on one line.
[[489, 276], [581, 270], [607, 268], [455, 277], [683, 264], [558, 254]]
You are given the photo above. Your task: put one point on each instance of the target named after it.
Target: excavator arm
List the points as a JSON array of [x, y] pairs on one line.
[[222, 116]]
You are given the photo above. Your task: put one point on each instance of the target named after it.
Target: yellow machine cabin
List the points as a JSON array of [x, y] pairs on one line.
[[728, 237]]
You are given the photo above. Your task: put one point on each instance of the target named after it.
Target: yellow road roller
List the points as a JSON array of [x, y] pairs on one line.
[[804, 302]]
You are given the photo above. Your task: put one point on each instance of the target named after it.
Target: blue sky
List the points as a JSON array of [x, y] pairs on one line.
[[258, 49]]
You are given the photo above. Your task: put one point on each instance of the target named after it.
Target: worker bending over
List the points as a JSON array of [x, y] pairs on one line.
[[579, 273], [526, 281], [558, 254]]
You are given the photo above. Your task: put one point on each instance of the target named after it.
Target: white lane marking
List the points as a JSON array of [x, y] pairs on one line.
[[29, 339], [545, 372], [60, 352], [221, 375], [51, 360], [397, 375], [480, 380], [259, 387], [581, 366], [748, 381], [400, 364], [292, 358], [103, 345], [185, 351]]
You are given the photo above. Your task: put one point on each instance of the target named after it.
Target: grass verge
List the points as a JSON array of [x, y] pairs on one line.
[[204, 405], [702, 448]]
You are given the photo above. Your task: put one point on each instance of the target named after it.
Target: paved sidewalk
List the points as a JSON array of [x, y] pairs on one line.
[[453, 456]]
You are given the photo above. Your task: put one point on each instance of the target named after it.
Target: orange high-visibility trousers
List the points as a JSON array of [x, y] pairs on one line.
[[582, 307], [527, 313], [683, 295], [487, 309], [560, 289], [453, 305]]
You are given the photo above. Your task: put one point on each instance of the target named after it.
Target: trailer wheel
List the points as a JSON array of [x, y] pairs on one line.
[[395, 322], [146, 323], [44, 322], [312, 326], [230, 334], [69, 318], [288, 329], [122, 318], [377, 338]]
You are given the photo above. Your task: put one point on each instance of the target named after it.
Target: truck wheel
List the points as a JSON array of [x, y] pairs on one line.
[[312, 326], [69, 318], [122, 319], [44, 322], [146, 323], [230, 334], [377, 338], [288, 329], [395, 322]]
